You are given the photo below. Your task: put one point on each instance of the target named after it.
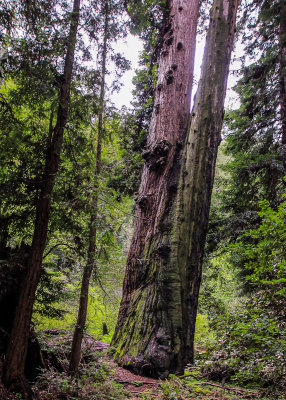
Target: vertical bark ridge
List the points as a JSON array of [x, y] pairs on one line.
[[149, 328], [282, 72], [200, 154]]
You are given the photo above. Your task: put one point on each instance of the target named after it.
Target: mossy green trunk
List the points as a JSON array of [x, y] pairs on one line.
[[148, 332], [198, 165], [155, 328]]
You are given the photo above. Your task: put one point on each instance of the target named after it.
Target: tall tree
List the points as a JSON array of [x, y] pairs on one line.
[[163, 296], [17, 349], [198, 169], [255, 132], [90, 264], [148, 336]]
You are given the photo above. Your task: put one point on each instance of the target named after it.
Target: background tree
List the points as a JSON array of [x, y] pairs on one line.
[[17, 349], [254, 132], [109, 10]]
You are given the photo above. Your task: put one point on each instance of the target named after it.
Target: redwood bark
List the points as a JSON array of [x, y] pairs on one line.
[[198, 170], [148, 335], [282, 37], [90, 265], [17, 349]]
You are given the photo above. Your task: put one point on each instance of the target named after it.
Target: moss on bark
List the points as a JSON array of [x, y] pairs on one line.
[[155, 330]]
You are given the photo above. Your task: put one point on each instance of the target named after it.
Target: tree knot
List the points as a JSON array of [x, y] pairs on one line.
[[142, 201], [163, 250], [169, 76], [156, 156]]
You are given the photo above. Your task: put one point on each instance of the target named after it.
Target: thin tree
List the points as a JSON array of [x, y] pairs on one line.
[[17, 349], [148, 336], [90, 264]]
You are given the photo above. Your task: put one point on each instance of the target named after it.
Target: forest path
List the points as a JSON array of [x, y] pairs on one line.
[[132, 383], [136, 387]]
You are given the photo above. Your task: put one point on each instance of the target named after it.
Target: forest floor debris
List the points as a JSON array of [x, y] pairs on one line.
[[102, 379]]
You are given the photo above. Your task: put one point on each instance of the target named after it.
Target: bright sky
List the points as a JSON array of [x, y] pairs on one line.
[[131, 48]]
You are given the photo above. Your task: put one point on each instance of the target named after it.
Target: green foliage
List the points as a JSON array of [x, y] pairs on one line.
[[204, 336], [146, 15], [91, 386], [170, 388], [252, 133], [31, 65], [266, 252], [252, 346]]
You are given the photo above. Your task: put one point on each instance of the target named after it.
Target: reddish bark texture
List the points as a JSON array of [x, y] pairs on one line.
[[155, 330], [283, 72], [149, 328]]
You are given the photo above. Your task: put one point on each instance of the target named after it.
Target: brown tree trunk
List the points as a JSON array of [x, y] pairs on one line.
[[17, 349], [198, 170], [148, 335], [282, 37], [90, 265]]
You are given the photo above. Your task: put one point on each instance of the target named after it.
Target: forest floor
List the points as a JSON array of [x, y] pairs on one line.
[[101, 378]]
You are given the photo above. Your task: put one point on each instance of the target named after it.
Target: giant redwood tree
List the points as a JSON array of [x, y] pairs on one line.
[[149, 331], [17, 349], [198, 166], [155, 329]]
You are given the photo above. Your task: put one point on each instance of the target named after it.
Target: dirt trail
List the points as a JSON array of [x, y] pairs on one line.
[[134, 383]]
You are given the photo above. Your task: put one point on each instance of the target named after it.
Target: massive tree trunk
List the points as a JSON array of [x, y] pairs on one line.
[[17, 349], [156, 324], [90, 265], [148, 336], [199, 161]]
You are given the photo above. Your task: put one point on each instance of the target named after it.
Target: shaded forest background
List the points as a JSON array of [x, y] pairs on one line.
[[240, 328]]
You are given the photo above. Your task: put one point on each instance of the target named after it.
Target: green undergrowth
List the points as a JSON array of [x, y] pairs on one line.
[[99, 311], [96, 380], [193, 385], [102, 310]]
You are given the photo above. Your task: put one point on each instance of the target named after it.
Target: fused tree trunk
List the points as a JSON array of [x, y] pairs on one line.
[[90, 264], [148, 336], [17, 349], [199, 161]]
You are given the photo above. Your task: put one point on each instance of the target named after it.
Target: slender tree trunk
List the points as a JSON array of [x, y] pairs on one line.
[[198, 170], [90, 265], [148, 335], [282, 37], [17, 349]]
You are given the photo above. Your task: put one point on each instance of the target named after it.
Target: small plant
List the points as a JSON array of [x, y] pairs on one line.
[[137, 383], [171, 388]]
